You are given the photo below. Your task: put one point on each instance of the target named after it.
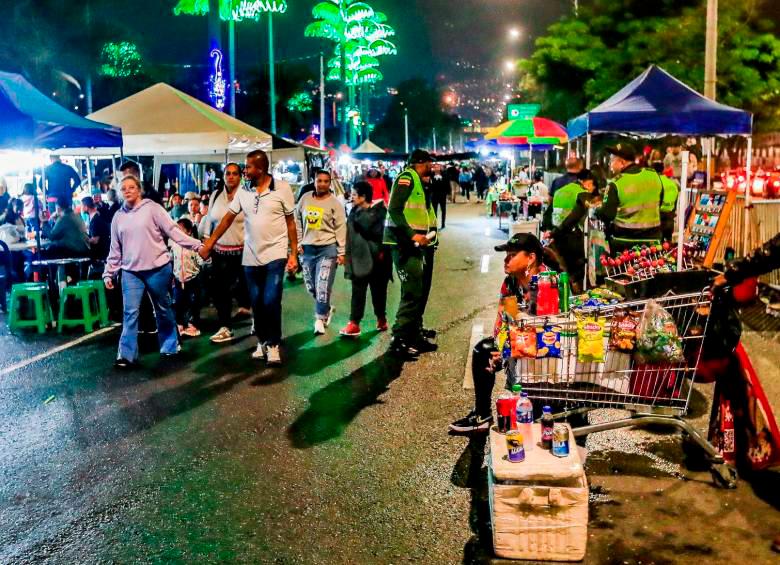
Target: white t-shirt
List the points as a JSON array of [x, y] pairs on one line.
[[265, 222]]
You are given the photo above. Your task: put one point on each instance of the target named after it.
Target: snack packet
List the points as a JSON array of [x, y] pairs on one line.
[[590, 339], [659, 340], [548, 342], [623, 332], [523, 341]]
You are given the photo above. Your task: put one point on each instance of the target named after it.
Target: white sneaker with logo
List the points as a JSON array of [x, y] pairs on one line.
[[319, 327], [274, 355], [330, 316], [260, 352], [222, 336]]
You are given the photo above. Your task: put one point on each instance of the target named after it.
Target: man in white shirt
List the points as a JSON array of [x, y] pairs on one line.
[[270, 248]]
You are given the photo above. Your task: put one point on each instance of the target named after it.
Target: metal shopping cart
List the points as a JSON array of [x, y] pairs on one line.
[[656, 394]]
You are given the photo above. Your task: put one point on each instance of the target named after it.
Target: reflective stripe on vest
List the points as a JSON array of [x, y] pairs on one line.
[[564, 201], [671, 192], [420, 217], [640, 200]]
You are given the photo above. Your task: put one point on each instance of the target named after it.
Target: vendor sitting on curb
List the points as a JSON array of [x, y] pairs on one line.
[[524, 258]]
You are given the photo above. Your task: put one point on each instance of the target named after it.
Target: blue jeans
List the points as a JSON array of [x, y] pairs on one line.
[[265, 293], [319, 271], [157, 282]]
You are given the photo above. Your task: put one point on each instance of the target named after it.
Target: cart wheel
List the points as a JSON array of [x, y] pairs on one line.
[[724, 476]]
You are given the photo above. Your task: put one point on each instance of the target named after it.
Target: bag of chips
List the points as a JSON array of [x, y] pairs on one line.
[[590, 339], [523, 342], [623, 332], [659, 340], [548, 342]]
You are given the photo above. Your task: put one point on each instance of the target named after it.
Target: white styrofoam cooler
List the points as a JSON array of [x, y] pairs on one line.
[[538, 508]]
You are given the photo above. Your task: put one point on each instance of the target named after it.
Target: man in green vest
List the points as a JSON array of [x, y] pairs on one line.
[[410, 229], [569, 209], [669, 204], [632, 207]]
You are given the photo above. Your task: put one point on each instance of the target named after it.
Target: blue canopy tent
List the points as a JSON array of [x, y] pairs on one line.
[[29, 121], [656, 103]]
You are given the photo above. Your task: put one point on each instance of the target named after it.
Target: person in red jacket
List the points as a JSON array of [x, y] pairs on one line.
[[379, 186]]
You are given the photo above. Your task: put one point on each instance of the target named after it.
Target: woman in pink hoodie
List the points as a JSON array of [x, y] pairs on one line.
[[138, 250]]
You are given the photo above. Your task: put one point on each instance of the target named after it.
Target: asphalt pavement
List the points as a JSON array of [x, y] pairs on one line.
[[341, 456]]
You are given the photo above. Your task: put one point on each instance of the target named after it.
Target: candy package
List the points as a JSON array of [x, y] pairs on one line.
[[623, 332], [658, 338], [523, 341], [548, 342], [590, 339]]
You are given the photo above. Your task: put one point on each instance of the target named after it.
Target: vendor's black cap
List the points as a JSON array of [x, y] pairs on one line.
[[623, 150], [420, 156], [522, 242], [586, 174]]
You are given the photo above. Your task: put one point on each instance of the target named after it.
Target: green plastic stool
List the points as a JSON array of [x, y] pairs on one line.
[[100, 289], [89, 316], [38, 294]]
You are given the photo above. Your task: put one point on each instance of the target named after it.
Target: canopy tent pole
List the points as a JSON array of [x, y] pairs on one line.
[[710, 143], [36, 270], [587, 151], [748, 195], [682, 205], [568, 149], [89, 175]]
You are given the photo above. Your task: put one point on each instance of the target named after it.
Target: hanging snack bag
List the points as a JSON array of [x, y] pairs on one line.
[[659, 340], [590, 339], [523, 342], [623, 332], [548, 342]]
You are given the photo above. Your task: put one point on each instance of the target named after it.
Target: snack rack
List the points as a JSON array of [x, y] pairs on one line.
[[708, 224], [656, 393]]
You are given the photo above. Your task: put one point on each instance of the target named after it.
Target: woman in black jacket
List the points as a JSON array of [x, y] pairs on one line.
[[367, 262]]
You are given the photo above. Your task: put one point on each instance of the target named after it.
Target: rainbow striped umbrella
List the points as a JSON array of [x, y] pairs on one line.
[[528, 131]]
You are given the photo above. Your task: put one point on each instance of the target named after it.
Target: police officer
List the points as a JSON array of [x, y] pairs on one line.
[[632, 207], [410, 230], [669, 204]]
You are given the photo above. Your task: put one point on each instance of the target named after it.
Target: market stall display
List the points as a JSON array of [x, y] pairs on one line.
[[708, 224]]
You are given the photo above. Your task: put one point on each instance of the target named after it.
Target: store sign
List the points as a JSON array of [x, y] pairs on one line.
[[217, 84], [251, 9], [522, 111]]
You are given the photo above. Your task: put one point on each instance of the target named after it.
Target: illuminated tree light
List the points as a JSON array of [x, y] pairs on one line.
[[236, 10], [120, 60], [300, 102], [217, 83]]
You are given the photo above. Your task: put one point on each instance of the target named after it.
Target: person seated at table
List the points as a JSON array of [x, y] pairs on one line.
[[99, 233], [69, 235], [109, 205], [11, 224]]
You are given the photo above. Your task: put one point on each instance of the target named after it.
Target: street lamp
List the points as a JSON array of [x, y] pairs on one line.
[[514, 34], [509, 65]]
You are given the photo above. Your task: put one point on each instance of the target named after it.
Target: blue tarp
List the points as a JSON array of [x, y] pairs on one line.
[[30, 120], [656, 103]]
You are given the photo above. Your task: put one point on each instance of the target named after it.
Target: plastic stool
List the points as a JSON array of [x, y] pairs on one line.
[[89, 316], [100, 289], [38, 294]]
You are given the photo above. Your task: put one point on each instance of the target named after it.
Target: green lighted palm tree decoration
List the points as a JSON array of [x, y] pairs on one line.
[[361, 37]]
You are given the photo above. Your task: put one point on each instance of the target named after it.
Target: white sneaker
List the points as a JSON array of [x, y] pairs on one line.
[[260, 352], [329, 319], [319, 327], [274, 355], [191, 331], [222, 336]]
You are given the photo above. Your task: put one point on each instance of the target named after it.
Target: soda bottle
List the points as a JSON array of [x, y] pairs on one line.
[[543, 297], [516, 391], [533, 288], [504, 404], [563, 292], [554, 298], [547, 427], [525, 421]]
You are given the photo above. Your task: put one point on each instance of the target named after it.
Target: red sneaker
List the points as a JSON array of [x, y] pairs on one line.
[[381, 325], [350, 330]]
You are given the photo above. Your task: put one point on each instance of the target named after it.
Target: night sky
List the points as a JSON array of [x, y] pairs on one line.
[[430, 32]]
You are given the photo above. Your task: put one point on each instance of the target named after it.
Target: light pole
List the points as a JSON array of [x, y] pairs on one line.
[[272, 71], [322, 100], [232, 65], [406, 129], [711, 50]]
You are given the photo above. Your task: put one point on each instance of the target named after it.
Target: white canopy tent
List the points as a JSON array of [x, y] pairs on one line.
[[368, 146]]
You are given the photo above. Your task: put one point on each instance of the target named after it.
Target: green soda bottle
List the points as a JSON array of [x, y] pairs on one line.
[[563, 292]]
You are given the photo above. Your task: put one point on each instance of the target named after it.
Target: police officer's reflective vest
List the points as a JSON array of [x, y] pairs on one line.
[[419, 215], [564, 201], [639, 195], [671, 192]]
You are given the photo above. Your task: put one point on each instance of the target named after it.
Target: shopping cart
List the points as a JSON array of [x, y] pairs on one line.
[[656, 394]]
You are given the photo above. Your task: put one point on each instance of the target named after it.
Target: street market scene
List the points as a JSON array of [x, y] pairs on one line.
[[382, 281]]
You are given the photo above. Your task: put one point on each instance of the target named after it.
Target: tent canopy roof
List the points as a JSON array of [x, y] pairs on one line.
[[162, 120], [656, 103], [30, 120], [368, 146]]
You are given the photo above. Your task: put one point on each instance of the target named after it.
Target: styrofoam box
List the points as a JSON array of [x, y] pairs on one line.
[[538, 508]]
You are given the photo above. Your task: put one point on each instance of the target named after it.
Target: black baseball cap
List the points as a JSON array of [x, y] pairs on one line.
[[586, 174], [623, 150], [522, 242], [420, 156]]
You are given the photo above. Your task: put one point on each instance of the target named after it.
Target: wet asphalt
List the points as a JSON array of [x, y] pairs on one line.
[[342, 456]]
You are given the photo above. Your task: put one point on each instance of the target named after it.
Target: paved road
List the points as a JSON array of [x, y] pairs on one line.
[[341, 457]]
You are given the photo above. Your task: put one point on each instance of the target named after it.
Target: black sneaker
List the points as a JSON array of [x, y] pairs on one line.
[[472, 423], [428, 334], [425, 346], [404, 349], [122, 363]]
